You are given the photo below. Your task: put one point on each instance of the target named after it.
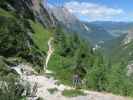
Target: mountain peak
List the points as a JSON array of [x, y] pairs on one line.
[[63, 15]]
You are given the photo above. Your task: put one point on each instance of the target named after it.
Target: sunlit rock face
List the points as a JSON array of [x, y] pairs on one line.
[[33, 9], [36, 4], [130, 69], [129, 37], [63, 15], [42, 14]]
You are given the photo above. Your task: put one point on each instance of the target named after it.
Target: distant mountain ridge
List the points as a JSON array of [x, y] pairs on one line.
[[114, 28], [86, 30]]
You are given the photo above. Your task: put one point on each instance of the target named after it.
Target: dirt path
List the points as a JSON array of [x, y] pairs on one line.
[[45, 83], [49, 53]]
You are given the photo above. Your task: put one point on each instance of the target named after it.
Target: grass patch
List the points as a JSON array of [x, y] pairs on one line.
[[41, 35], [72, 93], [52, 90], [61, 68], [40, 98], [23, 98]]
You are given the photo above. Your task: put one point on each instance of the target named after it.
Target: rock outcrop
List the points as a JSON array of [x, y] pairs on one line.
[[129, 37]]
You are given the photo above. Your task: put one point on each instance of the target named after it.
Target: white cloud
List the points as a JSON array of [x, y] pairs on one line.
[[93, 11]]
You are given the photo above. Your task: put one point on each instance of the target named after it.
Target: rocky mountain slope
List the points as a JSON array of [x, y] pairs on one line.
[[16, 17], [24, 31]]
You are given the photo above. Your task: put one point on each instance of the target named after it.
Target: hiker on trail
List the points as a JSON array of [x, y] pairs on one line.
[[76, 80]]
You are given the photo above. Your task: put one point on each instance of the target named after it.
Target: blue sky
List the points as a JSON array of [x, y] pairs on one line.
[[99, 10]]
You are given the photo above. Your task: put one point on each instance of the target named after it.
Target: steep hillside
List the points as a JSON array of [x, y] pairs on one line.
[[25, 29], [98, 33], [22, 29], [122, 45], [110, 45]]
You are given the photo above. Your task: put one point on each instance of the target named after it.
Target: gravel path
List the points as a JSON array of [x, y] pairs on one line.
[[45, 83]]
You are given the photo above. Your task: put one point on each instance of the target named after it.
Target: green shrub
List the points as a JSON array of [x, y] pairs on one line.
[[72, 93], [52, 90]]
